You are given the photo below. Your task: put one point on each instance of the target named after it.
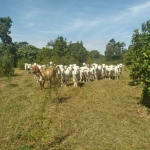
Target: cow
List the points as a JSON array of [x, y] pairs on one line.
[[43, 75], [116, 71], [27, 67], [76, 75], [111, 69], [103, 70]]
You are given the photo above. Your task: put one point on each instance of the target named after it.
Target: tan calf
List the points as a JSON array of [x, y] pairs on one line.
[[44, 75]]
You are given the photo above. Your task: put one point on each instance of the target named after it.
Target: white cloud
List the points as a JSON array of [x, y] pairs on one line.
[[17, 35], [52, 32], [139, 8], [32, 13], [28, 24]]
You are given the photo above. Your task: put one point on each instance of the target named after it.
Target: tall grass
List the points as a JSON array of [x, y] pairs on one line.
[[104, 114]]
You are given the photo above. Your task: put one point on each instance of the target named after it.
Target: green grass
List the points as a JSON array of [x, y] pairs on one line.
[[103, 114]]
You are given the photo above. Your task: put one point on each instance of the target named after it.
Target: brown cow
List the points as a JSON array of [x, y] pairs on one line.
[[44, 75]]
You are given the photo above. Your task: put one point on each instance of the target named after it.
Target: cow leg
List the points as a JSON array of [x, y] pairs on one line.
[[43, 82], [40, 84], [50, 84]]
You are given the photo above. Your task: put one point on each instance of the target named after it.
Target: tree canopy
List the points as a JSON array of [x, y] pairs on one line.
[[5, 24], [59, 46], [94, 54], [114, 50], [29, 52], [139, 57], [78, 52]]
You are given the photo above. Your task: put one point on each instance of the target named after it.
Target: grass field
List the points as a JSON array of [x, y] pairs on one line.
[[99, 115]]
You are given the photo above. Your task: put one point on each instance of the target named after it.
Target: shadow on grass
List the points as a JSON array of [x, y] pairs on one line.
[[81, 84], [60, 99], [16, 75], [145, 101], [29, 85], [58, 140], [134, 83], [13, 85], [70, 84]]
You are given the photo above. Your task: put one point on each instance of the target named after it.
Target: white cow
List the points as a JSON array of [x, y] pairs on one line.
[[27, 67], [106, 71], [50, 64], [120, 69], [66, 75], [110, 71], [60, 72], [116, 71], [64, 72], [76, 75], [103, 69], [91, 74], [96, 71], [84, 74]]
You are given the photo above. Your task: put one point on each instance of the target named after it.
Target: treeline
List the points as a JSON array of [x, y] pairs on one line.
[[60, 51]]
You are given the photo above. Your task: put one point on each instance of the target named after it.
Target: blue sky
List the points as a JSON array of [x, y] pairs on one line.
[[94, 22]]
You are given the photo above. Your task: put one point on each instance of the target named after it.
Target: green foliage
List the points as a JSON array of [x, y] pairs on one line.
[[59, 46], [114, 51], [128, 56], [5, 24], [6, 65], [94, 54], [21, 44], [44, 55], [140, 60], [21, 62], [100, 59], [78, 52], [9, 49], [29, 52], [60, 52]]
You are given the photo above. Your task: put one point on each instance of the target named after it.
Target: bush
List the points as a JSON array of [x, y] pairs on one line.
[[140, 58], [21, 63], [6, 65], [146, 97]]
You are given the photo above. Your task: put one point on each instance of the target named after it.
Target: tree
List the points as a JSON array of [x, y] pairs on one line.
[[140, 68], [78, 52], [2, 48], [6, 65], [28, 52], [94, 54], [21, 44], [128, 56], [44, 55], [5, 24], [59, 46], [114, 51]]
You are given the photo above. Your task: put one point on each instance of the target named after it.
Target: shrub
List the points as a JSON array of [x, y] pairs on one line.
[[21, 63], [6, 65], [140, 60]]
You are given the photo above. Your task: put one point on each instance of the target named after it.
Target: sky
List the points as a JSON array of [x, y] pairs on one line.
[[94, 22]]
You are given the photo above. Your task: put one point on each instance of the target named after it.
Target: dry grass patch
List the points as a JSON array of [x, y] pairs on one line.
[[103, 114]]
